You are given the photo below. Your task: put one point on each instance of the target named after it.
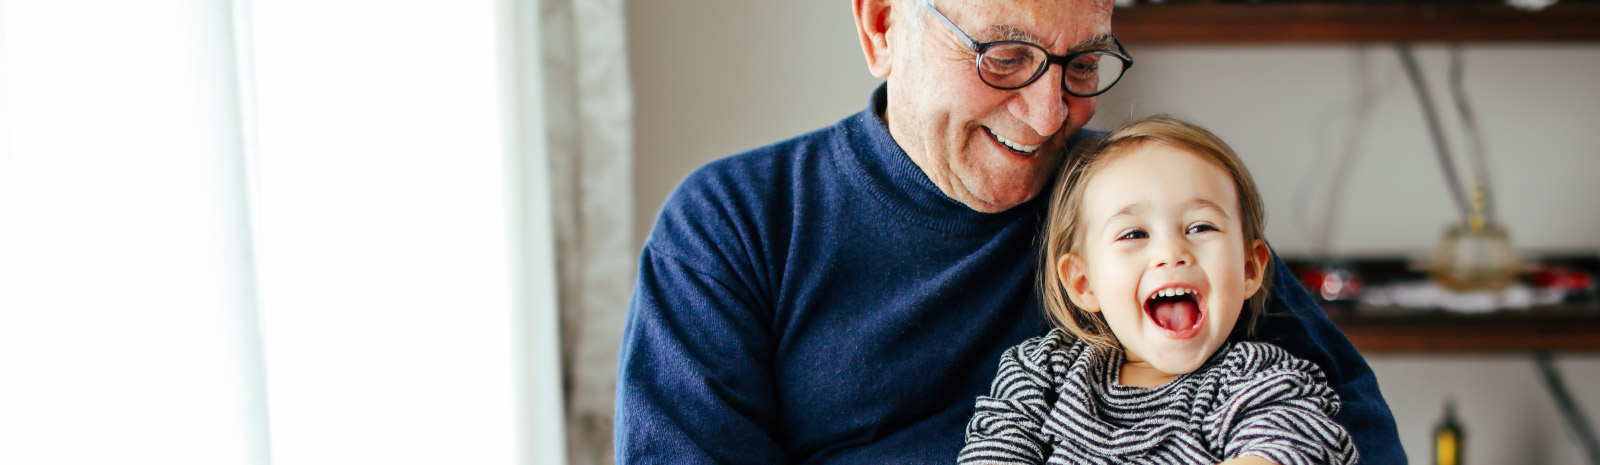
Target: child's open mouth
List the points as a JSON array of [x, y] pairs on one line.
[[1175, 309]]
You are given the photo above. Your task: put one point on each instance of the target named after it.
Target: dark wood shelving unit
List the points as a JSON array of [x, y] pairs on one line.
[[1569, 327], [1563, 328], [1268, 21]]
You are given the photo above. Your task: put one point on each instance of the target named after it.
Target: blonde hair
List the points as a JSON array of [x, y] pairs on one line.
[[1063, 227]]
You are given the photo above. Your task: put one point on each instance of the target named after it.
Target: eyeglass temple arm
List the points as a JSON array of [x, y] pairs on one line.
[[1127, 58], [952, 26]]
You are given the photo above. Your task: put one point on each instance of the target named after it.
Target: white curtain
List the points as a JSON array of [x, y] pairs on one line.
[[290, 232], [590, 112]]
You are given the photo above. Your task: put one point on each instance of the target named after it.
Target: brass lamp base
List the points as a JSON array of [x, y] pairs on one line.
[[1475, 260]]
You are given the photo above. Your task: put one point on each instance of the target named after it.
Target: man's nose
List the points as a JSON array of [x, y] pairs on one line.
[[1043, 106]]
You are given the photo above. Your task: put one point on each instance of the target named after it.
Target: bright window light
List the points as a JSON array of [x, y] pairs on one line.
[[388, 260]]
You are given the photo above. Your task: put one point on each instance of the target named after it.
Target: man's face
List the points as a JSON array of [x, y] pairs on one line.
[[987, 148]]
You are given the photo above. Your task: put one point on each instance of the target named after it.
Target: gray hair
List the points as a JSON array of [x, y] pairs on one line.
[[916, 12]]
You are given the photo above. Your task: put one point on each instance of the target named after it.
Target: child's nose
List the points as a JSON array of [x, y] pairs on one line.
[[1172, 261], [1171, 254]]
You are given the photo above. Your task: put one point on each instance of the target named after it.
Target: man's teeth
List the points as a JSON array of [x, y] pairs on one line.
[[1014, 145]]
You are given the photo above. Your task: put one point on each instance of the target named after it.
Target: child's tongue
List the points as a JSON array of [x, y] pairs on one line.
[[1176, 315]]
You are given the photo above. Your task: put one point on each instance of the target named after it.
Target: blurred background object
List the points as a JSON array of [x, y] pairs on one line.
[[1447, 438]]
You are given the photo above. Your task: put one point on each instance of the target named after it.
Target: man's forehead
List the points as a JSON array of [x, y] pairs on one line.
[[1051, 23]]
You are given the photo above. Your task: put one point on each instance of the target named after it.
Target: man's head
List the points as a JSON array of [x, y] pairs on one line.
[[988, 148]]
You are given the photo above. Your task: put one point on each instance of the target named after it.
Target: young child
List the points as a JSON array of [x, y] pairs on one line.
[[1153, 255]]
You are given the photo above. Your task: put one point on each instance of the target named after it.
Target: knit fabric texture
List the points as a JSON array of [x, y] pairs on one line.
[[1056, 400]]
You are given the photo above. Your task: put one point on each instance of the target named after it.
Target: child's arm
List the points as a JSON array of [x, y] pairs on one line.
[[1284, 412], [1248, 460], [1007, 425]]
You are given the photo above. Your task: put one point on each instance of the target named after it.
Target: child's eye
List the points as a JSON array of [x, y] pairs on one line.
[[1200, 228], [1134, 233]]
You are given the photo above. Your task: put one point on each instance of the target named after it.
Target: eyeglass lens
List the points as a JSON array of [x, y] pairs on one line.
[[1011, 66]]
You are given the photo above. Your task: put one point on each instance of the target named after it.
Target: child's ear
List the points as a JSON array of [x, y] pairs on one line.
[[1256, 260], [1074, 273]]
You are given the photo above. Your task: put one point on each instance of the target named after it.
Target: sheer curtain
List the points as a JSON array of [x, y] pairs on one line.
[[590, 121], [291, 232]]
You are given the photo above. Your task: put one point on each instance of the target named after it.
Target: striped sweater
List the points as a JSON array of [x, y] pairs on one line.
[[1056, 398]]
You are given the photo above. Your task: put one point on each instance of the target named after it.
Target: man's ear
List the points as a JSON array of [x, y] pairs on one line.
[[1074, 273], [1256, 260], [872, 24]]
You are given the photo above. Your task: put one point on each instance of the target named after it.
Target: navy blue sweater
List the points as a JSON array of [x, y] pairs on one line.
[[819, 300]]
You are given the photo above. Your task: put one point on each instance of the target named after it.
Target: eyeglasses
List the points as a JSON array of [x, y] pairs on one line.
[[1013, 64]]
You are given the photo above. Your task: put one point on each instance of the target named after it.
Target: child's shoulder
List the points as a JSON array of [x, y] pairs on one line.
[[1057, 344], [1257, 373], [1250, 359]]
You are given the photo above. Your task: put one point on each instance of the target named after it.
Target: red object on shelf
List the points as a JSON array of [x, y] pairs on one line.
[[1562, 278], [1331, 284]]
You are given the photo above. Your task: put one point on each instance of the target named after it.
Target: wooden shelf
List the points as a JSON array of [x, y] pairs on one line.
[[1566, 328], [1214, 21]]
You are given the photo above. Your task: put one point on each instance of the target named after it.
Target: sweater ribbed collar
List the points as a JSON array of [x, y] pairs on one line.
[[870, 155]]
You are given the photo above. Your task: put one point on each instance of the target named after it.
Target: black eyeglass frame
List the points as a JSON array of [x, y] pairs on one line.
[[982, 47]]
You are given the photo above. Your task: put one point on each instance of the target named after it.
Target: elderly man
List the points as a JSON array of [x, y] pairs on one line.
[[844, 296]]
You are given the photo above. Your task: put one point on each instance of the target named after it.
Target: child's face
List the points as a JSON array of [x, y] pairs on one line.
[[1161, 220]]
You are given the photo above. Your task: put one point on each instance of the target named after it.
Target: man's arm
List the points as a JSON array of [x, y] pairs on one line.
[[694, 385], [1304, 330]]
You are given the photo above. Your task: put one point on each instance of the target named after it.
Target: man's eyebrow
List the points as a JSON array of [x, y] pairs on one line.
[[1099, 42], [1001, 32]]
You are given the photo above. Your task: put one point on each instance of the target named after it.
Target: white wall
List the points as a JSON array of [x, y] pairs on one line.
[[1278, 104], [717, 78], [1506, 414]]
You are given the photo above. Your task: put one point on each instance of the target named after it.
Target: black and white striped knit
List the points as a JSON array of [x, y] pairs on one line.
[[1057, 399]]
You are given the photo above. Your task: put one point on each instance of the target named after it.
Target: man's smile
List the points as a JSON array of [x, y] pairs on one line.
[[1014, 146]]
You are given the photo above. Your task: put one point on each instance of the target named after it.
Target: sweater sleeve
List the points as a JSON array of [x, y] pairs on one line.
[[693, 386], [1297, 324], [1282, 410], [1007, 425], [695, 380]]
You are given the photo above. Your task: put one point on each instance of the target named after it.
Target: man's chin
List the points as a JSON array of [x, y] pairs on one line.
[[999, 201]]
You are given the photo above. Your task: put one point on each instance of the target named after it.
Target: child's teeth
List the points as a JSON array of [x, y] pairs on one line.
[[1174, 292]]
